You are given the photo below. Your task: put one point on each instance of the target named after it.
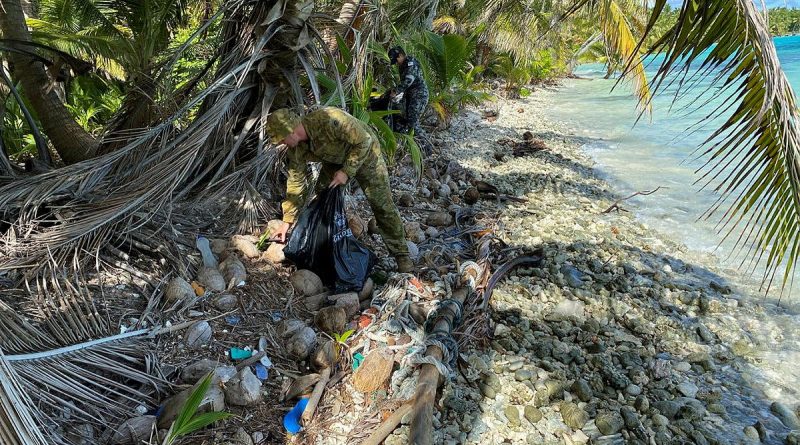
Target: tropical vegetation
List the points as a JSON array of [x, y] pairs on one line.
[[127, 123]]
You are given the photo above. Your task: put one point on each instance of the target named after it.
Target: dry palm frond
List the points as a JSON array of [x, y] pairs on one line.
[[752, 159], [17, 423]]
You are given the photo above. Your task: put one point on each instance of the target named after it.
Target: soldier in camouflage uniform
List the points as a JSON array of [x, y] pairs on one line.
[[413, 86], [347, 148]]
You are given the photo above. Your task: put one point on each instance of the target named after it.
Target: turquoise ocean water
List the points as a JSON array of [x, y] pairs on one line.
[[658, 151]]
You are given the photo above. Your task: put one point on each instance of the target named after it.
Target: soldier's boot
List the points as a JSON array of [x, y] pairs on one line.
[[404, 264]]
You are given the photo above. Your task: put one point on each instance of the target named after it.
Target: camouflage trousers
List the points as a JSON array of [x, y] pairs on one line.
[[415, 103], [373, 178]]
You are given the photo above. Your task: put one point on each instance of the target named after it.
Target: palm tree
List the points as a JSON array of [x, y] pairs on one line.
[[69, 139]]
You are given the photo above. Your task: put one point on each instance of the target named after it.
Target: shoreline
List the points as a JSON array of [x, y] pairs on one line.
[[671, 329]]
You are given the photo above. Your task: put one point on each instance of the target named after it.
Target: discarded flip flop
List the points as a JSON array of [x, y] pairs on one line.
[[240, 354], [291, 421]]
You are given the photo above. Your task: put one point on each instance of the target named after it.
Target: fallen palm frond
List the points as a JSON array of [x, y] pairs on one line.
[[17, 423], [752, 159]]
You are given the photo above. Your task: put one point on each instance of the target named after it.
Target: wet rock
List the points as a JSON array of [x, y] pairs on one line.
[[198, 335], [630, 418], [702, 359], [134, 431], [306, 283], [274, 253], [225, 302], [642, 404], [667, 408], [705, 334], [717, 408], [332, 319], [375, 371], [194, 372], [691, 409], [633, 390], [785, 415], [533, 414], [246, 246], [487, 391], [444, 191], [793, 438], [302, 343], [582, 390], [178, 289], [751, 433], [512, 414], [439, 219], [660, 421], [573, 416], [609, 422], [244, 389]]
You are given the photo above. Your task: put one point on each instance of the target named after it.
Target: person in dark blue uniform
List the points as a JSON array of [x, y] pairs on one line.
[[413, 88]]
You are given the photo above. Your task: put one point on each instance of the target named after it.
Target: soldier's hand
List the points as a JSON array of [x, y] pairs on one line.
[[339, 178], [280, 233]]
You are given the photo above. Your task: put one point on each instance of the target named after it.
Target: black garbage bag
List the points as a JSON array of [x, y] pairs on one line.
[[322, 242]]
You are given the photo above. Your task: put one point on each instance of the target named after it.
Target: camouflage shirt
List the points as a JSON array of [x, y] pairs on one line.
[[334, 137], [411, 77]]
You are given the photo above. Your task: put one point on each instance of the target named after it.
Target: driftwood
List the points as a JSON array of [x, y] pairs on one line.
[[316, 395], [616, 204]]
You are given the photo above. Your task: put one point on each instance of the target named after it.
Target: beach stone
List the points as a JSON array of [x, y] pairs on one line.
[[533, 414], [225, 302], [244, 389], [288, 327], [751, 433], [375, 371], [178, 289], [667, 408], [705, 334], [198, 335], [439, 219], [302, 342], [274, 253], [332, 319], [633, 390], [642, 404], [793, 438], [242, 438], [134, 431], [717, 408], [630, 418], [568, 310], [702, 359], [214, 401], [246, 246], [512, 414], [582, 390], [688, 389], [609, 422], [306, 283], [522, 375], [573, 416], [661, 421], [194, 372], [487, 391], [785, 415]]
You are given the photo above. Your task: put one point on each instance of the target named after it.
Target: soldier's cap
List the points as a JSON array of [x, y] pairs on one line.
[[394, 53], [281, 123]]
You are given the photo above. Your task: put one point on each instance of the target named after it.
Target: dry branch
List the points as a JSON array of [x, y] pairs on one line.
[[616, 204]]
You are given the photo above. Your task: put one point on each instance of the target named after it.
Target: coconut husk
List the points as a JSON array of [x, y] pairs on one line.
[[375, 371]]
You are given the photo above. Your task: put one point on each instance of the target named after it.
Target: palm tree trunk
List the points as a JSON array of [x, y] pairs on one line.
[[70, 140]]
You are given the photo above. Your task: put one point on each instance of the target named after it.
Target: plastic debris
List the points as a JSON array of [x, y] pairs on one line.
[[240, 354], [261, 372], [292, 419], [266, 362], [357, 360], [276, 316], [233, 320]]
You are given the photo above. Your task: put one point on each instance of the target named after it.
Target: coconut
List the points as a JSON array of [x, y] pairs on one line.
[[211, 278], [246, 246], [307, 283], [233, 271], [331, 319], [178, 289], [198, 335], [301, 343]]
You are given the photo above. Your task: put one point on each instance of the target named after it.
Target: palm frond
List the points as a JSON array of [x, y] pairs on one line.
[[752, 160]]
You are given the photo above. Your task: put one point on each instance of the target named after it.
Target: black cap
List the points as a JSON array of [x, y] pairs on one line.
[[394, 53]]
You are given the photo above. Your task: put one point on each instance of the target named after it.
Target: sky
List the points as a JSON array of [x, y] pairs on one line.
[[770, 3]]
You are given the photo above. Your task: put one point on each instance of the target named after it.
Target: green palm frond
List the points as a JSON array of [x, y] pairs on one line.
[[620, 40], [753, 159]]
